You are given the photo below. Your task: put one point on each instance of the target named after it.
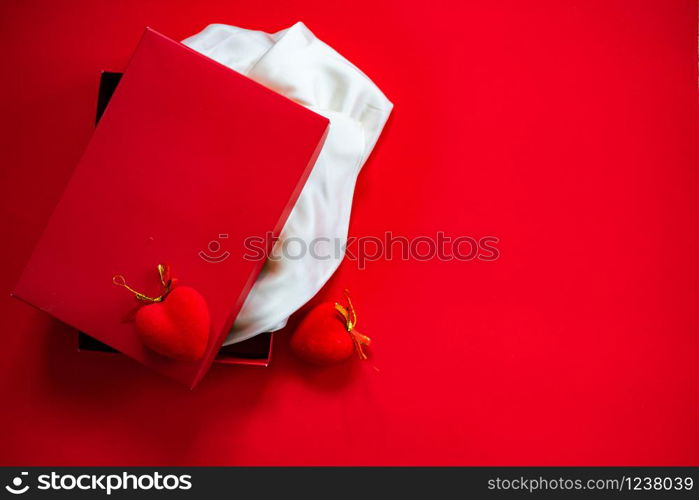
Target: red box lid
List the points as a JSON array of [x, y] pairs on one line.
[[187, 150]]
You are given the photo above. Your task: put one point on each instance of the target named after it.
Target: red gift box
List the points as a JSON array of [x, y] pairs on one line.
[[256, 351], [186, 150]]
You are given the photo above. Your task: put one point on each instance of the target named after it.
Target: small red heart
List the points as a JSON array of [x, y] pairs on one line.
[[322, 337], [177, 327]]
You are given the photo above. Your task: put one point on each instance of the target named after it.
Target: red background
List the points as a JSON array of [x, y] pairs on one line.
[[566, 129]]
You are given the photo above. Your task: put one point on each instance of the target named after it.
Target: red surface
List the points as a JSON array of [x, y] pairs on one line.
[[158, 188], [566, 129]]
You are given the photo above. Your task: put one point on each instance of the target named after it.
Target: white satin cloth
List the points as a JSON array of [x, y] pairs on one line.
[[296, 64]]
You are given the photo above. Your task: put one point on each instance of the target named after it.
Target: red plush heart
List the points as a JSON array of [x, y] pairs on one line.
[[322, 337], [177, 327]]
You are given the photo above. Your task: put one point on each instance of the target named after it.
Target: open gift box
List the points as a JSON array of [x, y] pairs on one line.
[[256, 351], [187, 149]]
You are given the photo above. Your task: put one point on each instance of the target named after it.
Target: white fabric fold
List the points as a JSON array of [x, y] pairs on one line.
[[296, 64]]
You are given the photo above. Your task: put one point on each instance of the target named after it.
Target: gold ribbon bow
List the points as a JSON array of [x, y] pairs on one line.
[[165, 280], [349, 316]]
